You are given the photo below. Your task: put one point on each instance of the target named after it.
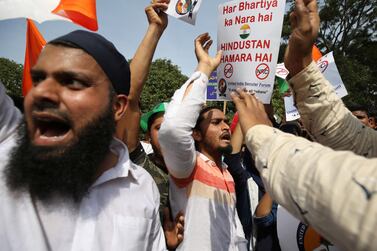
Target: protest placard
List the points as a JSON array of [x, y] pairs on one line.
[[185, 10], [296, 236], [327, 66], [249, 36], [212, 87], [291, 112]]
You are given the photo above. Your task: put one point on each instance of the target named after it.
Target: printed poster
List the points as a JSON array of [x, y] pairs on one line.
[[185, 10], [327, 66], [249, 36], [296, 236], [212, 87]]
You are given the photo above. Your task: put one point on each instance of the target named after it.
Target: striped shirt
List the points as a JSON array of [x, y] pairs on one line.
[[198, 187]]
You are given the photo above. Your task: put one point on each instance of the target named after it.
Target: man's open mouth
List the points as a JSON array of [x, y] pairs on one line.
[[225, 136], [50, 129]]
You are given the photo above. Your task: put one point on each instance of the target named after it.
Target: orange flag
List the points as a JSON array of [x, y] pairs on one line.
[[81, 12], [34, 45], [316, 53]]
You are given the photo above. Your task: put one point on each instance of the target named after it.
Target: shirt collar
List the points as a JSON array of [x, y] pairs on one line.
[[206, 159], [123, 167]]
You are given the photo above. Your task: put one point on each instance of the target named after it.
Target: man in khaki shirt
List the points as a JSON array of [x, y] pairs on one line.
[[333, 191]]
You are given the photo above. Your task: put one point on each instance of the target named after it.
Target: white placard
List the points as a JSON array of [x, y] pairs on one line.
[[185, 10], [296, 236], [249, 35], [281, 71], [327, 66], [291, 112]]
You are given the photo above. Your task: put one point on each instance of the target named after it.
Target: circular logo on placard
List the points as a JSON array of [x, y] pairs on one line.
[[262, 71], [244, 31], [183, 7], [323, 65], [221, 86], [228, 70], [309, 239]]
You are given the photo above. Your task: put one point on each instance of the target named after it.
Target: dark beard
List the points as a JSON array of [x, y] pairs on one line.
[[226, 150], [66, 171]]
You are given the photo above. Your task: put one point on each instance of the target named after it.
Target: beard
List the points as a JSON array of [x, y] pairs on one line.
[[66, 171], [225, 149]]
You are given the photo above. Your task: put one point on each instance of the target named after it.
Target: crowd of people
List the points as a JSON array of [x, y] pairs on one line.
[[75, 174]]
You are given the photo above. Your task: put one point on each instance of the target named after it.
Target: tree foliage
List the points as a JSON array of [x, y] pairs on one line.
[[347, 24], [163, 80], [11, 76]]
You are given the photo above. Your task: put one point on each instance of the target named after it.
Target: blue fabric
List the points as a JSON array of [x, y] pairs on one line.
[[240, 177]]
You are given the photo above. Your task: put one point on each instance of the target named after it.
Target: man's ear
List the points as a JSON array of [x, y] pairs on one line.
[[197, 135], [119, 106]]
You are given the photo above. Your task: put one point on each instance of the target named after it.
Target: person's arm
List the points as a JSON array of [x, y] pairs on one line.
[[322, 111], [265, 213], [129, 126], [10, 116], [175, 134], [333, 191]]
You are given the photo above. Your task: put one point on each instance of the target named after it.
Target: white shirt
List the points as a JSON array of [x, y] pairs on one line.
[[119, 213], [199, 188]]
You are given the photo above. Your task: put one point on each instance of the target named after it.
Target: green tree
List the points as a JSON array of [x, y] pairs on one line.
[[11, 76], [163, 80]]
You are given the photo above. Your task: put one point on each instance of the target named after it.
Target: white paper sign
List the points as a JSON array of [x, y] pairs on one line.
[[185, 10], [296, 236], [327, 66], [281, 71], [291, 112], [248, 33]]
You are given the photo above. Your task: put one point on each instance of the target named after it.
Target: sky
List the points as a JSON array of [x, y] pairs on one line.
[[124, 23]]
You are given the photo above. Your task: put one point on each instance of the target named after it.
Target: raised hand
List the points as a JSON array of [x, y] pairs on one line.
[[206, 64], [305, 26], [156, 15], [250, 110]]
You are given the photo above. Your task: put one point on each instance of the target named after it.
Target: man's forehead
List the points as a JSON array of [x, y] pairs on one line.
[[62, 51], [74, 59], [214, 114]]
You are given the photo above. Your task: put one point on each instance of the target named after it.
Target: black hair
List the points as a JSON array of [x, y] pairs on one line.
[[357, 107], [153, 118], [201, 115]]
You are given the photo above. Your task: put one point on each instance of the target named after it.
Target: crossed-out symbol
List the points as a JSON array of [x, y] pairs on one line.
[[323, 65], [228, 70], [262, 71]]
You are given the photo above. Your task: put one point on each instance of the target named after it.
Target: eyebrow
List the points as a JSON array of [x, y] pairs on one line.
[[63, 74], [37, 72], [223, 119], [71, 74]]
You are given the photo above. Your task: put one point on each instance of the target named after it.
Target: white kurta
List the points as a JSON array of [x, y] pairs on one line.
[[119, 213]]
